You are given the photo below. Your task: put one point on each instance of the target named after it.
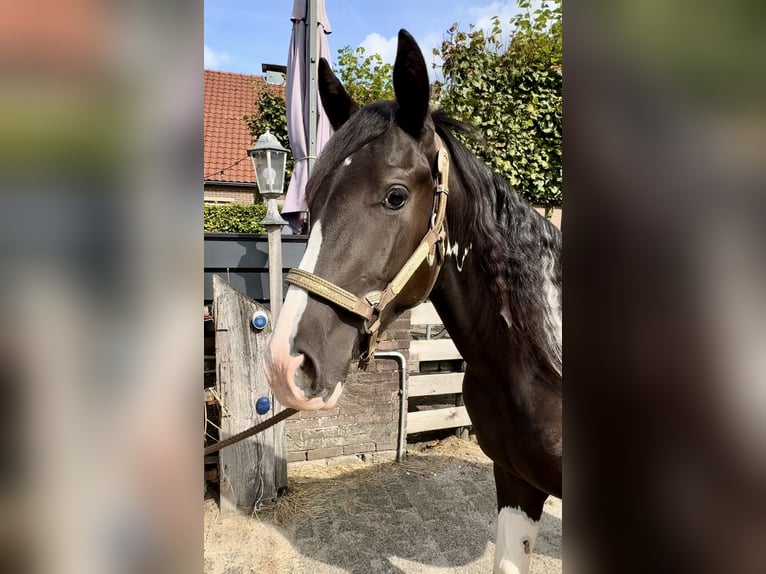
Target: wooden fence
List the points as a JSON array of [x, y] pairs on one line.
[[434, 383]]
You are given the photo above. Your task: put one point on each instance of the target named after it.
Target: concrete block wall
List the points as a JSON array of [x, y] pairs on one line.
[[366, 420]]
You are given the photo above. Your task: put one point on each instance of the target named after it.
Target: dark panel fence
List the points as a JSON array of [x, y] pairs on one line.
[[243, 260]]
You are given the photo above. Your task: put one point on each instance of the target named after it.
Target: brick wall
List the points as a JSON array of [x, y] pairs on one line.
[[237, 194], [366, 419]]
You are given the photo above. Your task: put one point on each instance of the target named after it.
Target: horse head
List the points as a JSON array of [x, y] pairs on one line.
[[373, 204]]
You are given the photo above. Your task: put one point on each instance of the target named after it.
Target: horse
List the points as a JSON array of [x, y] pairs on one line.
[[401, 211]]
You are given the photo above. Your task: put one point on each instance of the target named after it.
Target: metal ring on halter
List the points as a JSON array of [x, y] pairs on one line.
[[372, 328]]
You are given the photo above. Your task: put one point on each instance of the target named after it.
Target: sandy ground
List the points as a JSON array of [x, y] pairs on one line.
[[434, 513]]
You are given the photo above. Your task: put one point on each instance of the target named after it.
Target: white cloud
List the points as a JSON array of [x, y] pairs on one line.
[[214, 60], [376, 44], [427, 44]]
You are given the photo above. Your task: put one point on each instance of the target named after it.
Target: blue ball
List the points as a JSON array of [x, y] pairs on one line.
[[262, 405]]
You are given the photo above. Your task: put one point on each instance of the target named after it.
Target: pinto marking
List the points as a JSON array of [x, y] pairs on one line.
[[516, 535], [454, 251], [552, 319]]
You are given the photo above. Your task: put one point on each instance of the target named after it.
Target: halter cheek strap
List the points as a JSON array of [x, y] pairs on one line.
[[370, 307]]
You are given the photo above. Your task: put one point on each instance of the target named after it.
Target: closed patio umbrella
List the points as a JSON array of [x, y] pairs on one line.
[[307, 125]]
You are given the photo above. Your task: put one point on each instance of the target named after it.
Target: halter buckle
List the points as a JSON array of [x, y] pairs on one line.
[[368, 355], [373, 298], [369, 330]]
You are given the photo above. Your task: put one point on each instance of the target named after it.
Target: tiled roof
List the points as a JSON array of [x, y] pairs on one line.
[[228, 98]]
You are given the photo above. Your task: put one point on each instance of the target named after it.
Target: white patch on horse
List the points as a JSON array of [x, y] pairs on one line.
[[552, 320], [347, 161], [516, 535], [296, 299], [454, 250]]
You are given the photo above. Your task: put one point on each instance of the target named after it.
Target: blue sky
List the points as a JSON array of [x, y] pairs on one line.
[[240, 35]]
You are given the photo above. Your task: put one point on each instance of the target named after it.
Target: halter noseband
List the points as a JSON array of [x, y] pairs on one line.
[[370, 306]]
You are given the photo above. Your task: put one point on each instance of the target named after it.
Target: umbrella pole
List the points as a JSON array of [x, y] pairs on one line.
[[313, 22], [312, 83]]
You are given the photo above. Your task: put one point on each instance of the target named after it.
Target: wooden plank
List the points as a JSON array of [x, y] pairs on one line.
[[251, 471], [425, 314], [437, 419], [433, 350], [435, 384], [461, 432]]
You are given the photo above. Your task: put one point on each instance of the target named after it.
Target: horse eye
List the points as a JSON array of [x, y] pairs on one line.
[[396, 197]]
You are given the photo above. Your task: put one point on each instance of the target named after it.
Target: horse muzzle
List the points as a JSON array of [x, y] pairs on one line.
[[293, 379]]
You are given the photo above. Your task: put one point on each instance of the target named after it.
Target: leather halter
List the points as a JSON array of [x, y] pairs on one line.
[[371, 306]]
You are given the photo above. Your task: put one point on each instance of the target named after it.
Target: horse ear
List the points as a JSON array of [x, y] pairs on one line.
[[336, 102], [411, 84]]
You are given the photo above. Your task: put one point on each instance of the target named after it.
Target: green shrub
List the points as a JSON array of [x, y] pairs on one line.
[[366, 79], [510, 88], [234, 218]]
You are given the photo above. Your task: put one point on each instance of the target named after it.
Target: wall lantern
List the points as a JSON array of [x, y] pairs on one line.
[[269, 161]]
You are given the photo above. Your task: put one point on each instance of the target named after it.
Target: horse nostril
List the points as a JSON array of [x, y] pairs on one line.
[[306, 377]]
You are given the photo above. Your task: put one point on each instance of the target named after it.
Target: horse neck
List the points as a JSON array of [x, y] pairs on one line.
[[475, 311], [460, 297]]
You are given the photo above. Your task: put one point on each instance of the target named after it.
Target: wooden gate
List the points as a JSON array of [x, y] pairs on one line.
[[427, 379]]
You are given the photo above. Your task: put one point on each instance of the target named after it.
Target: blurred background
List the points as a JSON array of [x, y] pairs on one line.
[[665, 319]]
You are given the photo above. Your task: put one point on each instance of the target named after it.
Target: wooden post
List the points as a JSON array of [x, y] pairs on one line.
[[254, 470], [461, 432]]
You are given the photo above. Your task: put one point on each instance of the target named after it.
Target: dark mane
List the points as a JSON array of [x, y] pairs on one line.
[[513, 238]]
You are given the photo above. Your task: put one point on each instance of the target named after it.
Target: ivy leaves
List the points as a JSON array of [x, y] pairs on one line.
[[270, 115], [365, 78], [510, 89]]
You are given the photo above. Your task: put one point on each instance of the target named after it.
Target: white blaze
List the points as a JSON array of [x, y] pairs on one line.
[[296, 299], [282, 363], [516, 535]]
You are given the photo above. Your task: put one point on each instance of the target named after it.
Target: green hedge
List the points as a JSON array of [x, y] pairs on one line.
[[510, 88], [235, 218]]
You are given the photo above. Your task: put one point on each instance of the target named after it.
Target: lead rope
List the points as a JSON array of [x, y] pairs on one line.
[[260, 427]]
